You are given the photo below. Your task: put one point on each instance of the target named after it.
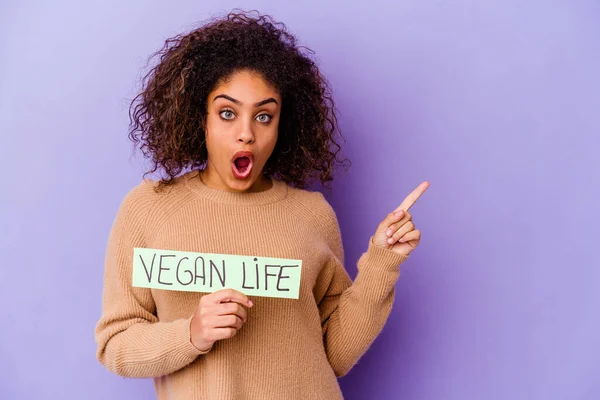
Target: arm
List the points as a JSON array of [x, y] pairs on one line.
[[131, 341], [354, 313]]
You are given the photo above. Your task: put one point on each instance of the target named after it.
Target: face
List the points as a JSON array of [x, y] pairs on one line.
[[241, 132]]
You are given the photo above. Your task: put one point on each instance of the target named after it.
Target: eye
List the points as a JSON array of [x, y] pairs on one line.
[[264, 118], [227, 114]]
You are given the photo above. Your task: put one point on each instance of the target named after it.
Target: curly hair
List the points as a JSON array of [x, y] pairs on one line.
[[168, 116]]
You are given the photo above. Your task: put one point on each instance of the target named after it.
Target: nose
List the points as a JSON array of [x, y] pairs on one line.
[[246, 135]]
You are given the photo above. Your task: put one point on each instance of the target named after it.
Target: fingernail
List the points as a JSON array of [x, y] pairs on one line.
[[388, 232], [390, 240], [401, 240], [399, 213], [250, 303]]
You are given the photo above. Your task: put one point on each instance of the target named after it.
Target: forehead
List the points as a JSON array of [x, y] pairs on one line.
[[245, 86]]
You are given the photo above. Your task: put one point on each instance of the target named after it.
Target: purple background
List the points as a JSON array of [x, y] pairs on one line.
[[497, 104]]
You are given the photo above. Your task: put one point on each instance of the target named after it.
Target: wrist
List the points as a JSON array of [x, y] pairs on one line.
[[200, 345], [203, 348]]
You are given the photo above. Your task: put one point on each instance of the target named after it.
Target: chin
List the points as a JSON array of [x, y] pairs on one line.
[[241, 185]]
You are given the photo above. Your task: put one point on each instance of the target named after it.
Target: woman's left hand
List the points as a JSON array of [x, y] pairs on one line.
[[397, 231]]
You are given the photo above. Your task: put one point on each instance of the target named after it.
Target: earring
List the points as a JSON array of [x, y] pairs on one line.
[[289, 149]]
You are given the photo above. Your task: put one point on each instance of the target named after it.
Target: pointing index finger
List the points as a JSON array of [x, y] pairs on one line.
[[412, 198]]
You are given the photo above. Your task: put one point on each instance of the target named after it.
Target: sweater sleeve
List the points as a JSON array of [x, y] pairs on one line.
[[354, 313], [131, 341]]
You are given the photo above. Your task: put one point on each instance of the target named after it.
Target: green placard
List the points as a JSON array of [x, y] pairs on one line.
[[209, 272]]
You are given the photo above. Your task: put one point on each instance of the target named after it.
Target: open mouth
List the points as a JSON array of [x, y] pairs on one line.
[[242, 164]]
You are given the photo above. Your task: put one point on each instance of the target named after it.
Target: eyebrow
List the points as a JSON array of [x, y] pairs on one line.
[[260, 103]]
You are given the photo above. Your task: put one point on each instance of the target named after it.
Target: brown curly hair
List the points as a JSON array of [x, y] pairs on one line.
[[167, 118]]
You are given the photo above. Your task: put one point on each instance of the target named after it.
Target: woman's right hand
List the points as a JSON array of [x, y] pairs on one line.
[[218, 316]]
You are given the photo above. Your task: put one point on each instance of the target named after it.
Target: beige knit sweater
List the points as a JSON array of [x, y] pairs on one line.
[[288, 348]]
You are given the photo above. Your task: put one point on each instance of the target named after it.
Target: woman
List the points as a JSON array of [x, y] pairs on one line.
[[239, 120]]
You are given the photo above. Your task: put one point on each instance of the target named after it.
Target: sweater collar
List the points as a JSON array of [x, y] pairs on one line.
[[276, 192]]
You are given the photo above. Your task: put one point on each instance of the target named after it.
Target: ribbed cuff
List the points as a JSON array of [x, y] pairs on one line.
[[381, 259], [378, 271]]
